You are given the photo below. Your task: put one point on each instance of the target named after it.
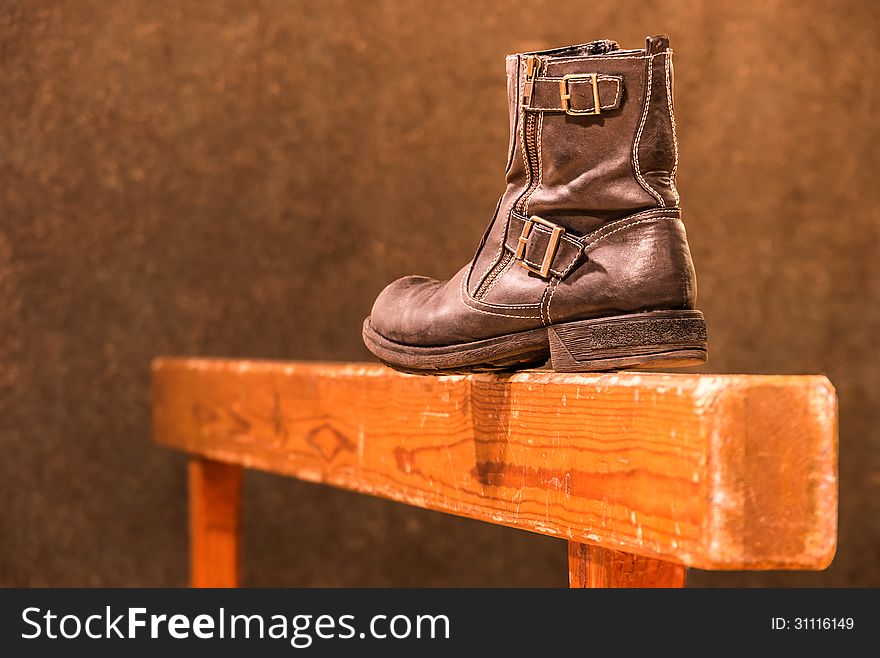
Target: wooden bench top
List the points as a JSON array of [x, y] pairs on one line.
[[709, 471]]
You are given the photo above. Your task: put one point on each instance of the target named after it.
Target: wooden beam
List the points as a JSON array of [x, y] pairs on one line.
[[214, 519], [709, 471], [594, 566]]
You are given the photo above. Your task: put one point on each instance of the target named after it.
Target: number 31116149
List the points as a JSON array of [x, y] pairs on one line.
[[813, 623]]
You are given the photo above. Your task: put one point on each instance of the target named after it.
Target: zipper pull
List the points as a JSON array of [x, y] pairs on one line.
[[533, 66]]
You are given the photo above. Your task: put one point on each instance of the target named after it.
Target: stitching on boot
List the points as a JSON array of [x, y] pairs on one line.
[[550, 300], [492, 279], [593, 58], [494, 261], [622, 228], [543, 297], [635, 151], [574, 259], [656, 213], [669, 213], [672, 121], [470, 302], [503, 315], [480, 302], [500, 274]]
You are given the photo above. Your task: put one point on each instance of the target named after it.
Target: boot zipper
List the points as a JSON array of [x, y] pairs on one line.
[[530, 147], [530, 134]]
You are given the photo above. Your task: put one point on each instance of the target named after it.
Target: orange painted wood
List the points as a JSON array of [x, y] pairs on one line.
[[214, 513], [709, 471], [594, 566]]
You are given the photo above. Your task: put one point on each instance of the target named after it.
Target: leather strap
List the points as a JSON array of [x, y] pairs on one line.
[[547, 94], [538, 240], [567, 252]]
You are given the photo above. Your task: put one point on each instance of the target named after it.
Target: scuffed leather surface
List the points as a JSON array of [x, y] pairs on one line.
[[417, 310], [241, 179], [644, 265]]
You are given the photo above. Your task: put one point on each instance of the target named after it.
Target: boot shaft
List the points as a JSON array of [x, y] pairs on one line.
[[592, 141], [592, 133]]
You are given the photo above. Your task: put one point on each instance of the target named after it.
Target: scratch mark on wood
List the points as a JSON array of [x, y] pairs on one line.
[[329, 442]]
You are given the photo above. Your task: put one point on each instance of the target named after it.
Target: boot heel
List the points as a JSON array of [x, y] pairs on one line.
[[657, 339]]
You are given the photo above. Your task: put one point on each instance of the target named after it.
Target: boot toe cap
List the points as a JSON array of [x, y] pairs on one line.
[[399, 312]]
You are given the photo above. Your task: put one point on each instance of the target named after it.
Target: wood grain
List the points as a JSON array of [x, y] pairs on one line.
[[709, 471], [594, 566], [214, 518]]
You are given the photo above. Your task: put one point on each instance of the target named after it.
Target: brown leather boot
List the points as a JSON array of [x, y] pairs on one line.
[[586, 260]]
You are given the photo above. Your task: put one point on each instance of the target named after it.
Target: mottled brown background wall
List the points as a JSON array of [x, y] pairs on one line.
[[241, 178]]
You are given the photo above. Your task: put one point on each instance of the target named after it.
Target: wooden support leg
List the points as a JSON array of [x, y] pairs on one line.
[[593, 566], [214, 515]]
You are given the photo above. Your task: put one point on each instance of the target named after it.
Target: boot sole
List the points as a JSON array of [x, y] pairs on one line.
[[655, 339]]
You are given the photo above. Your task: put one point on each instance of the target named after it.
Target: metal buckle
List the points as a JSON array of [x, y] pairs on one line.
[[565, 93], [549, 253]]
